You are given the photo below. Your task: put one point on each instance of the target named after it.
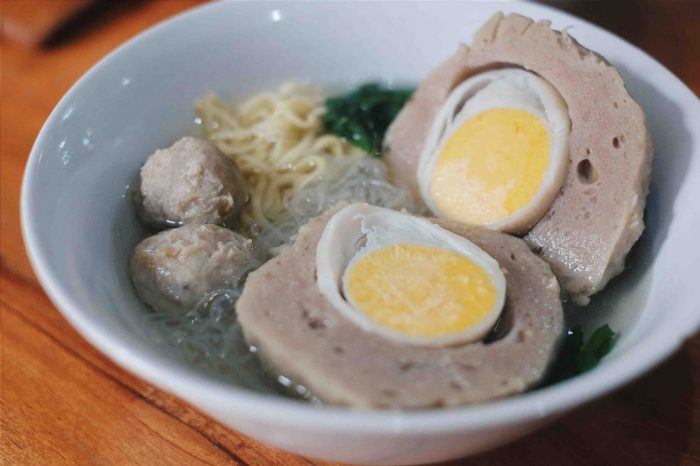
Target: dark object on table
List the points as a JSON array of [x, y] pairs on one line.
[[49, 23]]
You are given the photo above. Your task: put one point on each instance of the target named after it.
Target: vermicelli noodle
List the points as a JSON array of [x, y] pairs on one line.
[[356, 179]]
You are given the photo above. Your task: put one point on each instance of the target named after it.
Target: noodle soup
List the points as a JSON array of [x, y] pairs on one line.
[[295, 170]]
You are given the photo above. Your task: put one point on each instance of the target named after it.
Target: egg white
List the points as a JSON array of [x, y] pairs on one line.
[[359, 229], [503, 88]]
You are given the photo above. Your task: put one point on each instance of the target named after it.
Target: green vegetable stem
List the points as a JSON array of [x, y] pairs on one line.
[[576, 357]]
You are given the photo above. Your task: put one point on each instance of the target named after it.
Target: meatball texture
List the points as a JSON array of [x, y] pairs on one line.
[[191, 182], [300, 333], [174, 269]]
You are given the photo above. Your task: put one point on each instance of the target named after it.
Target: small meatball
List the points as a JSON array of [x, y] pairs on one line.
[[191, 182], [174, 269]]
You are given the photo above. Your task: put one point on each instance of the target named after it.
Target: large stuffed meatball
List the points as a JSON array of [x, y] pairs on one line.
[[191, 182], [173, 270]]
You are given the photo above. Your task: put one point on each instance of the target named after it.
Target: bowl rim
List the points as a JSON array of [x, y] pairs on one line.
[[191, 384]]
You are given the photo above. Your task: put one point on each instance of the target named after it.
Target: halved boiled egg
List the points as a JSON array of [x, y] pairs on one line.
[[497, 152], [408, 279]]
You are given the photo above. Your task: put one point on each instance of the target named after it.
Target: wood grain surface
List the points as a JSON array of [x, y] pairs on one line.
[[62, 402]]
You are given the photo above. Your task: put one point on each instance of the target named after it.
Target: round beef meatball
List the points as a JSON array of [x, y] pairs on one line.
[[191, 182], [174, 269]]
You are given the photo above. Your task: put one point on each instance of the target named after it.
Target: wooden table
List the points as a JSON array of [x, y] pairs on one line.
[[64, 403]]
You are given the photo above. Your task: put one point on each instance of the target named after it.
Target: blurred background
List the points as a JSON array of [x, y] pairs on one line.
[[663, 28], [666, 29], [46, 46]]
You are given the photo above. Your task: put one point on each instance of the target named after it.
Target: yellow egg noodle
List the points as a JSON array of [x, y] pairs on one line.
[[276, 139]]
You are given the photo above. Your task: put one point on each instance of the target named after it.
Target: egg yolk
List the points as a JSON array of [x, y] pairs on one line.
[[420, 290], [491, 166]]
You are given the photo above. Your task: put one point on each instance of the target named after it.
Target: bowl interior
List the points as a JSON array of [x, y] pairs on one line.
[[81, 228]]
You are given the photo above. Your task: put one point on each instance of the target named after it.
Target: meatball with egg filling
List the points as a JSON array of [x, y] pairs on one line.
[[375, 308], [527, 132]]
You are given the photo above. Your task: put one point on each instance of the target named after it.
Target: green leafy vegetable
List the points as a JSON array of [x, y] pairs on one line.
[[597, 346], [363, 115], [577, 356]]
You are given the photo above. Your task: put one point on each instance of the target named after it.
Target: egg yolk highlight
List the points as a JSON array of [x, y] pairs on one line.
[[420, 290], [491, 166]]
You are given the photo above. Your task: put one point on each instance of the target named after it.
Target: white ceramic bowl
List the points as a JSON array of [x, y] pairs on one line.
[[79, 228]]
